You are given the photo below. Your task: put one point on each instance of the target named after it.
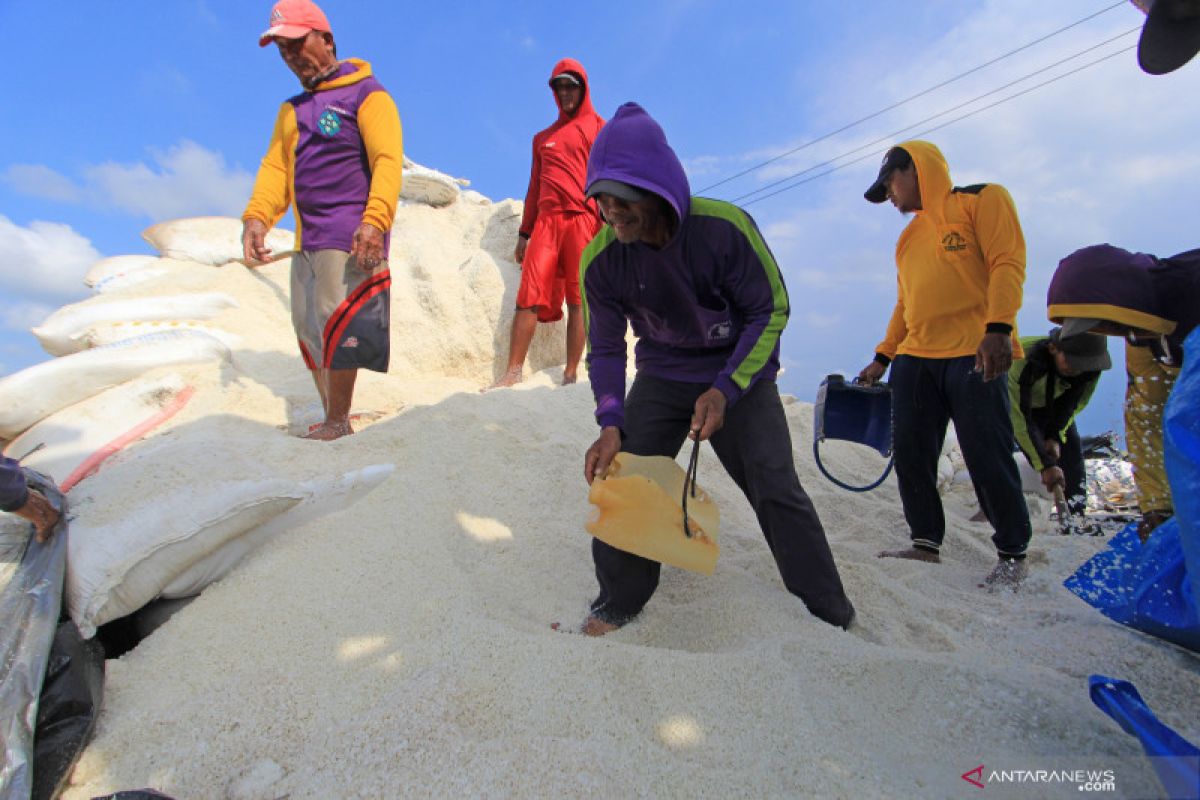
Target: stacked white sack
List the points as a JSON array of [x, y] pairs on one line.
[[424, 185], [211, 240], [117, 266], [38, 391], [114, 569], [60, 444], [68, 330]]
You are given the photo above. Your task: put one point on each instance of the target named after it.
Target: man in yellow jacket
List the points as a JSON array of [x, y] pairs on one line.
[[950, 342]]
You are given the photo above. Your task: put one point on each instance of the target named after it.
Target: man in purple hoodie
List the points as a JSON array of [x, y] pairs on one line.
[[17, 498], [707, 302]]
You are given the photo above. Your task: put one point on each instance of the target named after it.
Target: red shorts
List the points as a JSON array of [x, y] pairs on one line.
[[550, 270]]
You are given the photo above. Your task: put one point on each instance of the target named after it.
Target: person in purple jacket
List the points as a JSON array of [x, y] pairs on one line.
[[17, 498], [707, 303]]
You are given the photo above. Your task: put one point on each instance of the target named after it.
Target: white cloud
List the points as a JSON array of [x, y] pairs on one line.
[[37, 180], [188, 181], [23, 315], [46, 260]]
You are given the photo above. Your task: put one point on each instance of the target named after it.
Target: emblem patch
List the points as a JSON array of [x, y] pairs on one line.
[[329, 123], [351, 341], [952, 242], [720, 331]]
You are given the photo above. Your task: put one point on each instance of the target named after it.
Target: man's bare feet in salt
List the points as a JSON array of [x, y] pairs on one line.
[[510, 378], [568, 379], [1007, 574], [913, 554], [328, 431], [592, 626]]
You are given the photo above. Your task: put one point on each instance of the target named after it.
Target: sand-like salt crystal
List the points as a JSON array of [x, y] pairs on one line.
[[401, 647]]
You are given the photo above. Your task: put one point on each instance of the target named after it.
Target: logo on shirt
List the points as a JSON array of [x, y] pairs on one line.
[[549, 144], [351, 341], [329, 123], [952, 242], [721, 330]]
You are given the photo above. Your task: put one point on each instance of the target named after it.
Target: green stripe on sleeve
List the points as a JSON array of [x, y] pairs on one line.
[[757, 358], [600, 241]]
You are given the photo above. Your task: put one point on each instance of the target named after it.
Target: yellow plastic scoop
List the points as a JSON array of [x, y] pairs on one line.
[[639, 510]]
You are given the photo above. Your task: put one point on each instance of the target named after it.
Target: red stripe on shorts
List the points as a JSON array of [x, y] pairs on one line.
[[343, 314]]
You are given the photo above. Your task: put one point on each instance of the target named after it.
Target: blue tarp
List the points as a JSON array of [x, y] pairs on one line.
[[1175, 759], [1155, 587]]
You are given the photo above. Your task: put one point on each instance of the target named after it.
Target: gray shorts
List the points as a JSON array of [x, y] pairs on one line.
[[340, 312]]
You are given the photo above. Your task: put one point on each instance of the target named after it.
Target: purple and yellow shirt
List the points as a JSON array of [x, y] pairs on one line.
[[337, 155]]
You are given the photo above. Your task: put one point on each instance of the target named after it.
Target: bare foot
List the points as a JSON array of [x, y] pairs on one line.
[[328, 431], [510, 378], [913, 554], [568, 379], [1007, 574], [978, 516], [591, 626]]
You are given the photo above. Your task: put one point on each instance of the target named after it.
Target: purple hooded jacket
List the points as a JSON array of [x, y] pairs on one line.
[[13, 489], [708, 307]]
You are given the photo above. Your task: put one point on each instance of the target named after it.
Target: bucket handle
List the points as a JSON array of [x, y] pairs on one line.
[[817, 456], [689, 483]]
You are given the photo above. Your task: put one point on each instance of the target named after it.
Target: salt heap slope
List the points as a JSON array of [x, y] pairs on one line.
[[400, 646]]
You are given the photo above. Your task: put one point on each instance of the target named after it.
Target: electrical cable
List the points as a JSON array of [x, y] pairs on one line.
[[927, 131], [899, 103]]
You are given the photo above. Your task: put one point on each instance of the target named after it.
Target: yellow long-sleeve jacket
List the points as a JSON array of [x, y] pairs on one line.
[[960, 266]]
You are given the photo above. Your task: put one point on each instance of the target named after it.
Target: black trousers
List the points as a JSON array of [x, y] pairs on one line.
[[926, 394], [1070, 461], [754, 446]]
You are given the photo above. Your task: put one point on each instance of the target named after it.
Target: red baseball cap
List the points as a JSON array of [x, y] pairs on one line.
[[293, 19]]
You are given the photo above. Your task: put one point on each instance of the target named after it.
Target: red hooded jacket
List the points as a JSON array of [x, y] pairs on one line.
[[560, 156]]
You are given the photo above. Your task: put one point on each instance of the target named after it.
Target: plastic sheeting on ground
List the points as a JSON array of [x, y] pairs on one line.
[[1155, 587], [1175, 759], [31, 582]]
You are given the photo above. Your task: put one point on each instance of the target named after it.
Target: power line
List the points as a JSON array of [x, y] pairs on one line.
[[921, 93], [934, 128], [942, 113]]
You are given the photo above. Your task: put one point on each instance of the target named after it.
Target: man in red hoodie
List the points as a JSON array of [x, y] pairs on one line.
[[558, 223]]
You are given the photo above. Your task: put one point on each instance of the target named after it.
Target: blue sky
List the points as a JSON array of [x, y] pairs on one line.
[[124, 114]]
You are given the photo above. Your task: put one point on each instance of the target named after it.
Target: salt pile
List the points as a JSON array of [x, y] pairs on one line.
[[400, 645]]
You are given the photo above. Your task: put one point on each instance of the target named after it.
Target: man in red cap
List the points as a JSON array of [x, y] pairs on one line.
[[336, 157], [557, 224]]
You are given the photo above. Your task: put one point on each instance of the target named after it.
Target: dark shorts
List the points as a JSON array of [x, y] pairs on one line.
[[340, 312]]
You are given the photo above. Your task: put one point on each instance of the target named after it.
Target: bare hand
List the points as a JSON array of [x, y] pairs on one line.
[[254, 241], [519, 252], [709, 414], [1053, 449], [37, 509], [872, 372], [367, 247], [1053, 476], [601, 453], [994, 355]]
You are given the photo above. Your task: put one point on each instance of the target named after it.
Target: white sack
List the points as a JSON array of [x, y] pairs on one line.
[[211, 240], [113, 267], [38, 391], [113, 569], [325, 496], [59, 444], [114, 332], [424, 185], [66, 330]]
